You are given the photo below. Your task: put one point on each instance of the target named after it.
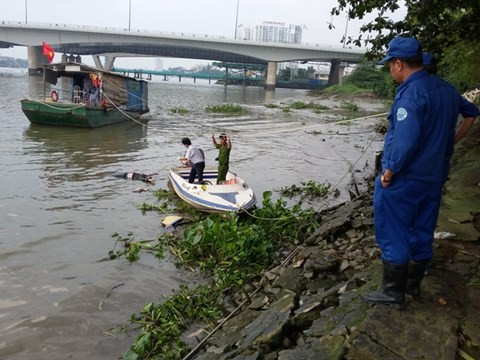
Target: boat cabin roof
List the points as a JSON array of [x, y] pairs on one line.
[[71, 69]]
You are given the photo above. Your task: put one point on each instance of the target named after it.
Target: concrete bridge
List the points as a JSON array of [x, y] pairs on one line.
[[114, 42]]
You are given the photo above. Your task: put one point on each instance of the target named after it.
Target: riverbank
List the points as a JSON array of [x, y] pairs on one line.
[[310, 308]]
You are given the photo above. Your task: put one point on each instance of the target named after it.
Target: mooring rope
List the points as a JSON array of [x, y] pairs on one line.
[[123, 112], [124, 90]]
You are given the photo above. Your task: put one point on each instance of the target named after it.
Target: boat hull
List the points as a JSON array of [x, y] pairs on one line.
[[212, 198], [70, 114]]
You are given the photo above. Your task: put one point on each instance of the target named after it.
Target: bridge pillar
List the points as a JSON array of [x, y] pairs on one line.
[[109, 60], [36, 60], [341, 72], [336, 72], [271, 80], [97, 61]]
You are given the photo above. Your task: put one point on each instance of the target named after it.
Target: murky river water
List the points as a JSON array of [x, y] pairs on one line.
[[60, 204]]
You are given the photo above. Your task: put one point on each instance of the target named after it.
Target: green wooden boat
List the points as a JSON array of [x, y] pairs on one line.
[[89, 97]]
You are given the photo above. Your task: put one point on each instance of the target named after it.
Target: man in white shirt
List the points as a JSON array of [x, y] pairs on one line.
[[195, 158]]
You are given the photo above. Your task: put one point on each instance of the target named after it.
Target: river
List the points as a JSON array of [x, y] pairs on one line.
[[60, 204]]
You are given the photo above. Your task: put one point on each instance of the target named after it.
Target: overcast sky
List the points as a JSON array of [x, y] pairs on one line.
[[213, 17]]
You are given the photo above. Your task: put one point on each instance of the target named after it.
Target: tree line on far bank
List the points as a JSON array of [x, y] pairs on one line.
[[11, 62]]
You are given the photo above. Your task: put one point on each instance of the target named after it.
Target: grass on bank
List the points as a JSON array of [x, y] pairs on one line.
[[230, 250], [344, 89]]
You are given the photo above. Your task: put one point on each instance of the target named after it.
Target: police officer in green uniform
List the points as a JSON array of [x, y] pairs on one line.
[[223, 155]]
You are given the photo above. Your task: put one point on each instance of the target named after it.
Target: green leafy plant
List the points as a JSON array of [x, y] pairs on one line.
[[179, 111], [131, 247], [272, 106], [228, 248], [350, 106], [309, 189], [226, 109]]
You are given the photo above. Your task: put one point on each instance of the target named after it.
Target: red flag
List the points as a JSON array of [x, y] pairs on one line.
[[48, 52]]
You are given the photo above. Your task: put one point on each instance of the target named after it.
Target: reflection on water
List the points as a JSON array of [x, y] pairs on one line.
[[60, 205], [84, 149]]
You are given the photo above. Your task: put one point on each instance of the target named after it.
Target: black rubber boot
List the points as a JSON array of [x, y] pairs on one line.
[[393, 287], [416, 271]]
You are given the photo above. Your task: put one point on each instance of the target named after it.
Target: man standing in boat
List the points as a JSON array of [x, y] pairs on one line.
[[223, 155], [194, 158]]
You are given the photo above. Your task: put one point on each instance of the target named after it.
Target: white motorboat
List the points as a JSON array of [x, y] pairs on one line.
[[232, 195]]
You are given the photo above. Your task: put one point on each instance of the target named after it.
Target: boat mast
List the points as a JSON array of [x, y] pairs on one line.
[[43, 99]]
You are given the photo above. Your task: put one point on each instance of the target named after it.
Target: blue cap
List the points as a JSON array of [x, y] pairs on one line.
[[428, 59], [402, 47]]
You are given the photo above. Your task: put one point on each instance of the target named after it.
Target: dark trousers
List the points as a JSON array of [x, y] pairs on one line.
[[197, 169]]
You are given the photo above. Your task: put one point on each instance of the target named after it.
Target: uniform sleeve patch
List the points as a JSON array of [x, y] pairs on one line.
[[402, 114]]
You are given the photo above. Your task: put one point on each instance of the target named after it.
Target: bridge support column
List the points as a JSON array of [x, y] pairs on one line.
[[271, 80], [341, 72], [109, 60], [336, 72], [97, 61], [36, 60]]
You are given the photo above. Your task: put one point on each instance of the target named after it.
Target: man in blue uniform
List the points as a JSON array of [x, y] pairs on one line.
[[417, 150]]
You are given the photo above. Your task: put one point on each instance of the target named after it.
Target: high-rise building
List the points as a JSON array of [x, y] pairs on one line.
[[271, 31]]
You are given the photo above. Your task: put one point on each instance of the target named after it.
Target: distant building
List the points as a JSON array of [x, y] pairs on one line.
[[275, 32], [271, 31]]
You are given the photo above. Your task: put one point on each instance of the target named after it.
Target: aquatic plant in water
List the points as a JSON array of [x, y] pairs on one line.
[[228, 248], [226, 109], [309, 189]]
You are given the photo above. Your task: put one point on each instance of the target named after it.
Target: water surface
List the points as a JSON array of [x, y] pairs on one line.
[[60, 204]]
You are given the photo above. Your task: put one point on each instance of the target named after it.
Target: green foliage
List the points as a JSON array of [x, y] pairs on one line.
[[285, 74], [367, 75], [300, 105], [272, 106], [344, 89], [179, 110], [162, 208], [350, 106], [131, 248], [226, 109], [228, 247], [162, 324], [460, 65], [437, 24], [309, 189]]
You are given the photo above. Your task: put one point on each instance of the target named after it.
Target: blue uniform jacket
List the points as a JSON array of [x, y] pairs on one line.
[[419, 142]]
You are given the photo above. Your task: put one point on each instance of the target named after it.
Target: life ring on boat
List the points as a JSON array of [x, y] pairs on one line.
[[54, 95]]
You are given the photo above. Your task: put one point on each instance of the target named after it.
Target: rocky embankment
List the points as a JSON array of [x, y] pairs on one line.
[[310, 308]]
